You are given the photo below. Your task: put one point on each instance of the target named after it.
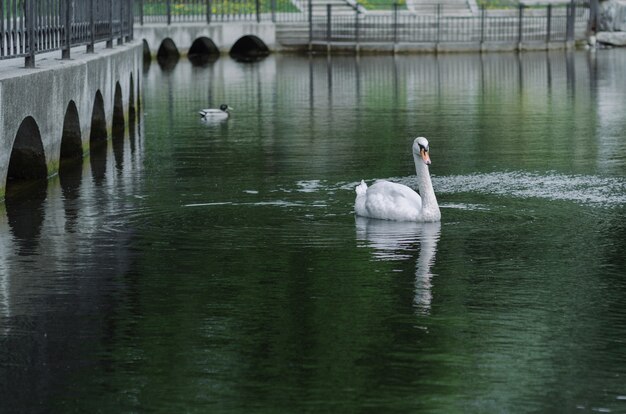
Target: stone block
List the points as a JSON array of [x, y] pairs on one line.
[[612, 38], [612, 17]]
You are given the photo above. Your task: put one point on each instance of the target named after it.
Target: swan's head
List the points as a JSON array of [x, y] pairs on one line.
[[420, 149]]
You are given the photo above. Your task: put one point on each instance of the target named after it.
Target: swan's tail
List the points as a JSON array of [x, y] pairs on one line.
[[361, 189], [359, 202]]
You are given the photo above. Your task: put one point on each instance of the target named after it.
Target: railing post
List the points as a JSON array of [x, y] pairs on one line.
[[208, 11], [573, 18], [310, 25], [520, 27], [329, 32], [92, 28], [482, 27], [110, 39], [549, 24], [356, 28], [438, 38], [120, 39], [29, 15], [67, 32], [168, 5], [569, 31], [395, 27], [273, 6], [141, 12], [258, 11], [592, 25], [131, 23]]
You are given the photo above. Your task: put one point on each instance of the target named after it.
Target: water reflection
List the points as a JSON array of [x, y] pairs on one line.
[[25, 213], [70, 179], [267, 288], [393, 240]]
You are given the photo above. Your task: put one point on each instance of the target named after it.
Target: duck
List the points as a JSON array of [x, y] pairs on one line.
[[387, 200], [222, 112]]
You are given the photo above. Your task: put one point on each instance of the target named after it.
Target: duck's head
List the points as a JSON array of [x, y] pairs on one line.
[[225, 108], [420, 148]]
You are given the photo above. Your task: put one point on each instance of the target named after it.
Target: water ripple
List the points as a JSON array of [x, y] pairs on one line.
[[584, 189]]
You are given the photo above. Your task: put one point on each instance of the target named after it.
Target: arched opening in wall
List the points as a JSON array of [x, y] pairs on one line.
[[118, 126], [28, 161], [131, 101], [118, 113], [26, 186], [168, 54], [249, 49], [203, 51], [71, 142], [70, 165], [98, 134], [98, 140], [147, 56]]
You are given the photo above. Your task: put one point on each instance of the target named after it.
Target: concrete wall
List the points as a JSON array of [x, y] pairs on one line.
[[224, 35], [44, 93]]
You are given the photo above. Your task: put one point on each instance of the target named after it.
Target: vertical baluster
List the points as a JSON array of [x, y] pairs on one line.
[[120, 38], [14, 32], [356, 27], [92, 27], [395, 27], [110, 18], [329, 20], [65, 52], [438, 34], [130, 21], [520, 26], [482, 27], [29, 16], [310, 7], [548, 23], [1, 28]]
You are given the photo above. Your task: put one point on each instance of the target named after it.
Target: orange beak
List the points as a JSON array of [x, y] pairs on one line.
[[425, 156]]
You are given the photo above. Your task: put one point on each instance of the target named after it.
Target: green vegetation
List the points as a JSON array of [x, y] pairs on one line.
[[222, 7], [382, 4], [497, 4]]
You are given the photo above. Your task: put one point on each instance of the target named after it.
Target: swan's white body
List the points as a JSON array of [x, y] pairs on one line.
[[392, 201]]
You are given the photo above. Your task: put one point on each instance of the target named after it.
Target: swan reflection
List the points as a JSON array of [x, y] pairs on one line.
[[395, 240]]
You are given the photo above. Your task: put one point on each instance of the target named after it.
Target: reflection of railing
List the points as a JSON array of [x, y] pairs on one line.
[[28, 27], [538, 24]]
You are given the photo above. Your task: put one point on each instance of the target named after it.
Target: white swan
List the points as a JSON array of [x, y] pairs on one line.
[[392, 201], [220, 113]]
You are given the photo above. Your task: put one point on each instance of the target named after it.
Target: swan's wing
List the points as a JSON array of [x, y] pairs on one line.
[[392, 201]]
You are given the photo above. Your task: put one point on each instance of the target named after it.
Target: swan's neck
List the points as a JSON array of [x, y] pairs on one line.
[[430, 207]]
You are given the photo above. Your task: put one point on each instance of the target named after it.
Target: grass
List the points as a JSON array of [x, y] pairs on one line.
[[217, 7]]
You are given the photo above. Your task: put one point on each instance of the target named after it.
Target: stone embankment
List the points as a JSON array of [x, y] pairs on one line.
[[612, 23]]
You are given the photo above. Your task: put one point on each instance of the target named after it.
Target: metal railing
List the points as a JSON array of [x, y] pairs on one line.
[[207, 11], [547, 24], [28, 27]]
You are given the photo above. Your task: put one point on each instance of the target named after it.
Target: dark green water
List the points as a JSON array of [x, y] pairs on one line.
[[218, 267]]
